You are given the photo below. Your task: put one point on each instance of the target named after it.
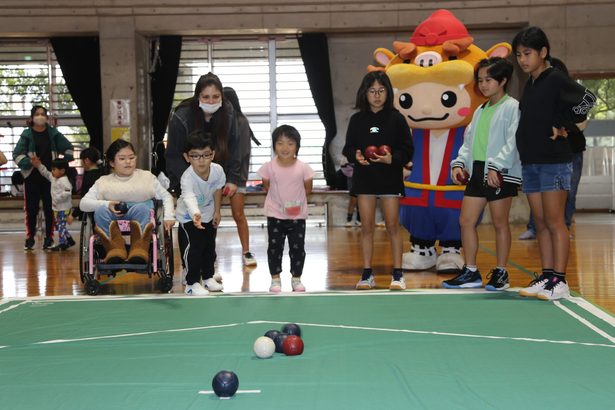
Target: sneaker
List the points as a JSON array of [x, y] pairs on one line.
[[498, 280], [555, 289], [534, 287], [465, 280], [276, 286], [357, 223], [29, 245], [217, 277], [365, 284], [59, 247], [348, 223], [249, 259], [48, 243], [196, 289], [398, 284], [297, 285], [527, 235], [70, 242], [213, 286]]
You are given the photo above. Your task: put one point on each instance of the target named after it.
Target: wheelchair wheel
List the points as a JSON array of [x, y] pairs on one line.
[[92, 287], [165, 252], [165, 284], [84, 247]]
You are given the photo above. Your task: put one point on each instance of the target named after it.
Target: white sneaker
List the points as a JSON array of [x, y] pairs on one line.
[[535, 287], [213, 286], [196, 289], [398, 284], [249, 259], [297, 285], [348, 224], [365, 284], [276, 286], [554, 290], [217, 277], [527, 235]]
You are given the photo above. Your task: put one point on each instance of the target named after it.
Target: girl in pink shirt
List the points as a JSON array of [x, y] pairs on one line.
[[287, 181]]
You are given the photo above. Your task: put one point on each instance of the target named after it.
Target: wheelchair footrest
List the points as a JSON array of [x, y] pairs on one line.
[[119, 266]]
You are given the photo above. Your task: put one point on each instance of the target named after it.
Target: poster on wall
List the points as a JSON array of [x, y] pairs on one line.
[[120, 113]]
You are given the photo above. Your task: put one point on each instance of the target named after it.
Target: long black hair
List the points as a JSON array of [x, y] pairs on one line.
[[368, 80]]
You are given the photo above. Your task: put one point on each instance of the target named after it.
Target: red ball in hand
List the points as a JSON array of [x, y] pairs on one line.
[[292, 345], [464, 177], [383, 150], [371, 151]]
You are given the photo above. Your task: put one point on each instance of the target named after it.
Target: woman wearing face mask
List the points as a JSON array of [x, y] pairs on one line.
[[40, 140], [205, 110]]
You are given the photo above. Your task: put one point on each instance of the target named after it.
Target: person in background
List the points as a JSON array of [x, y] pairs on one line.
[[61, 199], [45, 142], [246, 136], [287, 181], [379, 174], [576, 138]]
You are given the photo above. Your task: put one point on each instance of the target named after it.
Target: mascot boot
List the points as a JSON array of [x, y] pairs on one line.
[[139, 242], [114, 245], [419, 258], [450, 260]]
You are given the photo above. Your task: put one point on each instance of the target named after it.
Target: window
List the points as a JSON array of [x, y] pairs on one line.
[[30, 74], [270, 81]]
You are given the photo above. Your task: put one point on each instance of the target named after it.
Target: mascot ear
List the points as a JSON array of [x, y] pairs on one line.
[[383, 56], [406, 51], [499, 50]]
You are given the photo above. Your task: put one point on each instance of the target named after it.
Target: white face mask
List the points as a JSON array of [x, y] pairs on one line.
[[210, 108], [39, 120]]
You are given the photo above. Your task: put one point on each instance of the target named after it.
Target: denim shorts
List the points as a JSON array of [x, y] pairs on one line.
[[546, 177]]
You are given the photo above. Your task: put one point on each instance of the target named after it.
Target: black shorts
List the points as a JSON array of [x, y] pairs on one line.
[[477, 185]]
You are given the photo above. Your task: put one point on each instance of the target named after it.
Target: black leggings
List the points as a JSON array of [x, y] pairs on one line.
[[36, 187], [278, 230]]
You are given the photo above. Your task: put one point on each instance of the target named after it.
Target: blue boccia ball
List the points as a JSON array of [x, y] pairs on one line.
[[225, 383]]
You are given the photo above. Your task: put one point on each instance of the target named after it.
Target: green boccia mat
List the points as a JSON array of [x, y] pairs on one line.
[[369, 350]]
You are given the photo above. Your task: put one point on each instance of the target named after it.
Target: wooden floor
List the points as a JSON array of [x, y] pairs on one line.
[[333, 263]]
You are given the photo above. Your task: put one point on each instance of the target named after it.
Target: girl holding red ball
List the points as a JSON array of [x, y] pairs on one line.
[[379, 143]]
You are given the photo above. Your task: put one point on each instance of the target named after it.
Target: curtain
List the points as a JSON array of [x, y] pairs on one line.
[[163, 78], [315, 54], [79, 59]]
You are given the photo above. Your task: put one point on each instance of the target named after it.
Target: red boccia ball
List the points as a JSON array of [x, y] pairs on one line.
[[293, 346], [464, 177], [371, 151], [383, 149]]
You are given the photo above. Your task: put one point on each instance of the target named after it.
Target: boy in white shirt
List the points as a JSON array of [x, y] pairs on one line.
[[61, 199], [198, 212]]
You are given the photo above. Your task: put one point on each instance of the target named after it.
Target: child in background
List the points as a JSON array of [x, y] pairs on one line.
[[61, 199], [90, 159], [288, 182], [378, 123], [552, 105], [198, 212], [489, 152]]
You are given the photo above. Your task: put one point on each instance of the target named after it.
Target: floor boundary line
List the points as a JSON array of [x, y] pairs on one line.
[[585, 322]]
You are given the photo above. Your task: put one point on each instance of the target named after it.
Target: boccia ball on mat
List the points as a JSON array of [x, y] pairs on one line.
[[279, 342], [271, 334], [292, 329], [225, 383], [264, 347], [293, 345]]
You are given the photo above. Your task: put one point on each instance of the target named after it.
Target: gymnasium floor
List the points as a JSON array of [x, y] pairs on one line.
[[134, 348]]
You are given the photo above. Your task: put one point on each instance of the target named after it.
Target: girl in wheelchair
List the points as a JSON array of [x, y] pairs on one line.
[[126, 194]]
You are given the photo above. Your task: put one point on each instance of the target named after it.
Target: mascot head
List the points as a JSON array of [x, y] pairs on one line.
[[433, 73]]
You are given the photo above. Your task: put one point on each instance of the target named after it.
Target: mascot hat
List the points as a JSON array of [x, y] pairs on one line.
[[441, 26]]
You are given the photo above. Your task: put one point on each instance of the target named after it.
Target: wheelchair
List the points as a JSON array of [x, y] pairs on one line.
[[92, 254]]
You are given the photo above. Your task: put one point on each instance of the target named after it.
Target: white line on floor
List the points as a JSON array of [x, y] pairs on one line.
[[585, 322], [237, 392]]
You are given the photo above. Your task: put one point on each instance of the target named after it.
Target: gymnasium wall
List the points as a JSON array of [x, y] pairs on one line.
[[580, 32]]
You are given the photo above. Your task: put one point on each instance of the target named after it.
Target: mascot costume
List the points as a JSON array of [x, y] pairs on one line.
[[433, 79]]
